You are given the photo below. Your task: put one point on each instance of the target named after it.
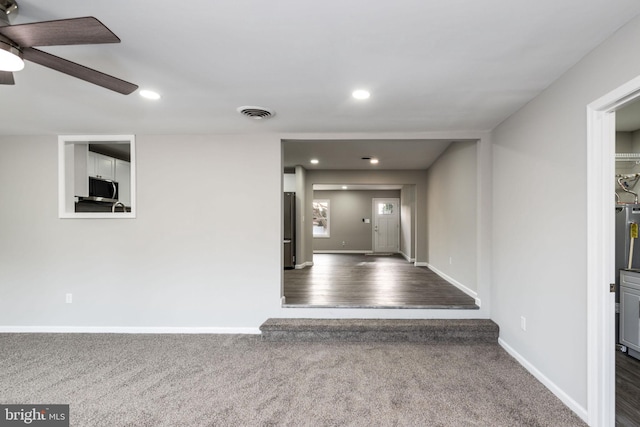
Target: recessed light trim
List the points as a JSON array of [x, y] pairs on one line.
[[314, 161], [374, 161], [149, 94], [361, 94]]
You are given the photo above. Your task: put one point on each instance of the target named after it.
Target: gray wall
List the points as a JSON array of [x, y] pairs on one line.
[[452, 213], [347, 208], [539, 216]]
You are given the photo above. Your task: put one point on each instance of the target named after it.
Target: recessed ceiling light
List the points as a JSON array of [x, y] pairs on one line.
[[149, 94], [314, 161], [361, 94], [374, 161], [344, 187]]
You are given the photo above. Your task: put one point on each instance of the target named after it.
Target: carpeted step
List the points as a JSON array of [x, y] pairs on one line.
[[413, 330]]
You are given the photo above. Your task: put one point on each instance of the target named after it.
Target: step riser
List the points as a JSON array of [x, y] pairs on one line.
[[435, 331], [378, 336]]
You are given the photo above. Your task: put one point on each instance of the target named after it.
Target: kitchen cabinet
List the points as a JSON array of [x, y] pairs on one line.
[[630, 311], [101, 166]]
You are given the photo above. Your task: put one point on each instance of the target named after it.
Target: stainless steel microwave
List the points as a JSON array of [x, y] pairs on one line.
[[102, 190]]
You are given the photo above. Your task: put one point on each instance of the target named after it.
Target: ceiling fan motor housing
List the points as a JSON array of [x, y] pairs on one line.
[[7, 7]]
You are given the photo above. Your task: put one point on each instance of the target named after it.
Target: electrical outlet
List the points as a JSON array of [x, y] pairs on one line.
[[344, 243], [523, 323], [68, 298]]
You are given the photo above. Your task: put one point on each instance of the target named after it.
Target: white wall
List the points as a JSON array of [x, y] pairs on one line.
[[452, 214], [627, 142], [182, 262], [539, 219], [407, 221], [289, 184], [304, 239]]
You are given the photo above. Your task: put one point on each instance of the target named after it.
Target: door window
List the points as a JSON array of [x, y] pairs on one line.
[[321, 218]]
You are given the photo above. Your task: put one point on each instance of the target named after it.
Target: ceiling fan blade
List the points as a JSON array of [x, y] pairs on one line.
[[87, 30], [6, 78], [76, 70]]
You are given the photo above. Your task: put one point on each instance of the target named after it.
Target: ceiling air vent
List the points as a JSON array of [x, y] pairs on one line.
[[257, 113]]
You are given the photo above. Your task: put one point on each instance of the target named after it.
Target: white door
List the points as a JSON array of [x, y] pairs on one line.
[[386, 225]]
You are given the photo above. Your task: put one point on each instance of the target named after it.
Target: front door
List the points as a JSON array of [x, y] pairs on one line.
[[386, 225]]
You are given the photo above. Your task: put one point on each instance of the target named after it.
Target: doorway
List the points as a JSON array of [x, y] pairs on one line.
[[601, 126], [386, 225]]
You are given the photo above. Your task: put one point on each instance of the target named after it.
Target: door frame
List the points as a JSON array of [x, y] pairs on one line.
[[600, 251], [373, 217]]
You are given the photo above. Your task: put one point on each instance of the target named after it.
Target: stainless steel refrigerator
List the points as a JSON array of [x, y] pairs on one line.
[[289, 230]]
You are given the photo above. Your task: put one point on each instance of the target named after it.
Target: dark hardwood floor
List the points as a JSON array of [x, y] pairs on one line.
[[370, 281], [627, 390]]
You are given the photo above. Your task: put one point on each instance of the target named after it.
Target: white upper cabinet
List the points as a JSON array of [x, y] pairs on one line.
[[101, 166]]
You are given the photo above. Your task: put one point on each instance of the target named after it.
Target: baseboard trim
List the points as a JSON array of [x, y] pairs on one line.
[[303, 265], [126, 330], [557, 391], [455, 283], [343, 252], [407, 257]]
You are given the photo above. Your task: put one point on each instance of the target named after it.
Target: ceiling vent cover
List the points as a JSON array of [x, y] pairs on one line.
[[257, 113]]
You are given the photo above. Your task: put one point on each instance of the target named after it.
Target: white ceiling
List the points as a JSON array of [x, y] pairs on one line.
[[457, 65], [415, 154]]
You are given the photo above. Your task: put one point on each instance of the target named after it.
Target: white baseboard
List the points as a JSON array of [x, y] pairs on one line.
[[407, 257], [473, 294], [560, 394], [343, 252], [125, 330], [303, 265]]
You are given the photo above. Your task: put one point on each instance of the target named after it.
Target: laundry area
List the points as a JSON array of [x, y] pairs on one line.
[[627, 239], [627, 264]]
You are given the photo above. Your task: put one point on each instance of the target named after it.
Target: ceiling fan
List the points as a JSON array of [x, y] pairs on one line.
[[17, 43]]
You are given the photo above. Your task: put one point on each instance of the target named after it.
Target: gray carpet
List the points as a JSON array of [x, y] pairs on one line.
[[220, 380]]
